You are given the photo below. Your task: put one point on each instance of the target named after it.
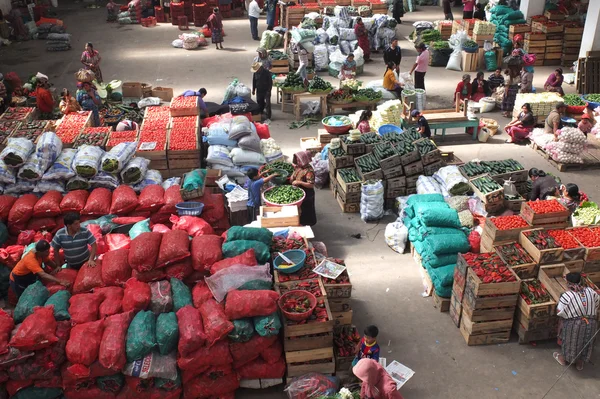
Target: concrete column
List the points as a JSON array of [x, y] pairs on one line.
[[530, 8], [591, 30]]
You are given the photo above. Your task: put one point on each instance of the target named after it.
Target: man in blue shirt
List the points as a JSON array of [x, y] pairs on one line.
[[254, 188], [200, 94]]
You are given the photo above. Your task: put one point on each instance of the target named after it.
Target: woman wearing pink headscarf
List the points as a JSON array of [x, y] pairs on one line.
[[376, 382], [304, 177]]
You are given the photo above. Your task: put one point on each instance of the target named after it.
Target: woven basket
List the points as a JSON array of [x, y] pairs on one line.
[[491, 124]]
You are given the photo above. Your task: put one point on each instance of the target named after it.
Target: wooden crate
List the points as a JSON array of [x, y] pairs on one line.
[[491, 197], [495, 314], [442, 304], [347, 207], [342, 318], [348, 187], [343, 363], [591, 266], [309, 328], [335, 291], [533, 335], [469, 62], [286, 286], [591, 253], [429, 170], [476, 302], [415, 168], [307, 342], [410, 157], [552, 278], [540, 256], [536, 311], [519, 28], [280, 66], [431, 156], [548, 322], [535, 219], [294, 360], [393, 172], [343, 161], [354, 149], [479, 288], [455, 309], [339, 304], [497, 235], [484, 327], [514, 204], [348, 198], [483, 339], [411, 181], [277, 221], [390, 162], [189, 111], [324, 136], [480, 39], [573, 30], [553, 15], [535, 37]]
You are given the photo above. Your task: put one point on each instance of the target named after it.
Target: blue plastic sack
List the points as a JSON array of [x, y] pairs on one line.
[[139, 228]]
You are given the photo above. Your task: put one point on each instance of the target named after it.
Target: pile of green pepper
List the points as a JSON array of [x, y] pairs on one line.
[[284, 195]]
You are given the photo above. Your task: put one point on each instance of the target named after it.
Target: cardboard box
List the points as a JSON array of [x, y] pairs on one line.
[[164, 93], [132, 89]]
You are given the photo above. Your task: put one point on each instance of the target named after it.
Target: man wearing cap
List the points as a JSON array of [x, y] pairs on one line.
[[553, 122], [393, 54], [422, 124], [264, 58], [262, 83]]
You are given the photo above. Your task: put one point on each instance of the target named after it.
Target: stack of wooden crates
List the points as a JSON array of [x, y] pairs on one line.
[[553, 29], [572, 43]]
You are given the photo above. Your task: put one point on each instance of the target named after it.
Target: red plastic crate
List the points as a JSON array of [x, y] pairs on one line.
[[183, 23]]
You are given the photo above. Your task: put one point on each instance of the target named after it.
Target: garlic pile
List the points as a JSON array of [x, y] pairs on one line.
[[570, 144], [270, 149]]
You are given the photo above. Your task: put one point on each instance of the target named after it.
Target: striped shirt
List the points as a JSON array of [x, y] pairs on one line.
[[578, 304], [75, 247]]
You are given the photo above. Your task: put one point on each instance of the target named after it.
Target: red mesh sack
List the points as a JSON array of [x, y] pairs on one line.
[[112, 303], [25, 237], [137, 295], [247, 258], [160, 228], [151, 198], [128, 219], [475, 241], [79, 376], [48, 205], [6, 326], [63, 274], [272, 353], [38, 330], [206, 250], [6, 203], [88, 278], [83, 308], [180, 270], [158, 218], [244, 352], [138, 385], [216, 371], [124, 200], [141, 214], [55, 381], [191, 330], [204, 357], [201, 293], [14, 386], [171, 198], [42, 235], [112, 348], [144, 250], [22, 209], [98, 203], [74, 201], [216, 323], [262, 129], [240, 304], [11, 255], [258, 368], [194, 225], [37, 224], [84, 344], [214, 207], [156, 393], [96, 231], [175, 246], [195, 277], [117, 241], [208, 386], [115, 267], [152, 275]]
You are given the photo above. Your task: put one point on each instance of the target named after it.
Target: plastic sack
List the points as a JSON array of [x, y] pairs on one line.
[[466, 218], [137, 295], [266, 326], [438, 217], [117, 241], [17, 151], [153, 365], [84, 343], [22, 209], [192, 224], [273, 353], [144, 251], [244, 157], [216, 323], [218, 154], [247, 258], [250, 142], [77, 183], [311, 385], [135, 170], [174, 247], [43, 186], [171, 198], [205, 251], [222, 282], [191, 330], [115, 159], [61, 168], [151, 178], [86, 162], [151, 198], [88, 278], [115, 267], [371, 201], [141, 336], [259, 368], [39, 224], [167, 332], [104, 180], [74, 201], [428, 185], [161, 300], [491, 61], [69, 275], [113, 298], [204, 357], [112, 347], [124, 200], [7, 175], [25, 237], [33, 296], [396, 235], [244, 352], [454, 62], [98, 203], [241, 304], [182, 295], [139, 228], [37, 330], [48, 205], [83, 308]]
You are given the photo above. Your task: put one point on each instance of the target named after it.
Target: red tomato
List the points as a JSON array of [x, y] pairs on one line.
[[509, 222], [546, 206]]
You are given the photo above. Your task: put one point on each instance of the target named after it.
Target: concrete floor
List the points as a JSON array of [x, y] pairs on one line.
[[387, 286]]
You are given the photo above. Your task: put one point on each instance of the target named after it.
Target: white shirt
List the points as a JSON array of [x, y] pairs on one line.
[[254, 9], [578, 304]]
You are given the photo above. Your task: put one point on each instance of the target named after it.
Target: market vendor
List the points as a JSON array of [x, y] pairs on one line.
[[496, 79], [570, 197], [585, 124], [43, 97], [264, 58], [519, 128], [254, 190], [390, 82], [363, 125], [362, 35], [589, 111], [480, 88], [577, 307], [511, 89], [200, 94], [68, 103], [422, 125], [348, 68], [29, 268], [543, 184], [126, 126], [112, 10], [262, 84], [393, 54], [376, 381], [74, 241], [553, 122], [304, 177], [89, 100], [464, 88], [554, 82]]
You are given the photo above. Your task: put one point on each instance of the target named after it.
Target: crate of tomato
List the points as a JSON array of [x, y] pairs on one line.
[[545, 213], [572, 248], [504, 228], [115, 138], [589, 239], [515, 257], [71, 126], [183, 151], [184, 106]]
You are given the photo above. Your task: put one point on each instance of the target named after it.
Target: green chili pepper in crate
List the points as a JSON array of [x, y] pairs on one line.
[[383, 151], [367, 163], [337, 152], [284, 194], [349, 175], [370, 138]]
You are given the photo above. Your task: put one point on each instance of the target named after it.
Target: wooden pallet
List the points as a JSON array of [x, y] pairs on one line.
[[589, 161]]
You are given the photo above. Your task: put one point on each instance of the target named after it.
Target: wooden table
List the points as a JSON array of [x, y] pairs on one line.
[[331, 108], [304, 96]]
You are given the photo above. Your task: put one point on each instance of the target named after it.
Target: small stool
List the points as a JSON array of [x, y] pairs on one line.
[[183, 23], [287, 99]]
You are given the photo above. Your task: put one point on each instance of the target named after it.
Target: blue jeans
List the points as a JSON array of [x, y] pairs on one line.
[[254, 27], [271, 17]]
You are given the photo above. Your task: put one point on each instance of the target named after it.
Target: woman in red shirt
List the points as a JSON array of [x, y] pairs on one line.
[[464, 87], [44, 100], [468, 6]]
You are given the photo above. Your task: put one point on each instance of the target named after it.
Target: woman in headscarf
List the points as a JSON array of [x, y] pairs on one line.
[[215, 23], [304, 177], [363, 38], [68, 103], [89, 100], [90, 58], [263, 58], [555, 81], [577, 307], [376, 382]]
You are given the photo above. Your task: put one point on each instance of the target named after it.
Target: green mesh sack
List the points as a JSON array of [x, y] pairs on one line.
[[168, 385], [491, 62], [443, 292], [501, 10], [446, 244], [261, 234], [415, 199], [167, 332], [60, 301], [254, 285], [111, 383], [432, 231], [243, 330], [267, 326], [38, 393], [442, 276], [182, 296], [235, 248], [439, 217], [413, 210], [435, 261], [141, 336], [34, 295]]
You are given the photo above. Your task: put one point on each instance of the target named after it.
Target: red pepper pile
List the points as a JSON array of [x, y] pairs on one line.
[[546, 206], [311, 286], [564, 239], [346, 341], [342, 278], [183, 133], [184, 102], [319, 315], [489, 267], [303, 274], [541, 239], [299, 303], [509, 222], [514, 254], [586, 237], [533, 292], [282, 244]]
